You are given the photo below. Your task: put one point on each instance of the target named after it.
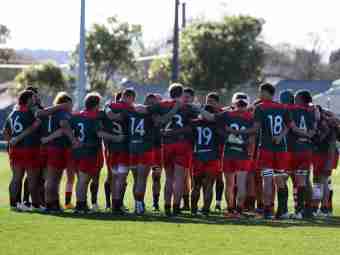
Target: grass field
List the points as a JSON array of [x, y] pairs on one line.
[[28, 233]]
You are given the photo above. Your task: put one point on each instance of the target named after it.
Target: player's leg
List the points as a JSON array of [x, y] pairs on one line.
[[300, 182], [122, 175], [53, 179], [268, 181], [156, 186], [208, 184], [241, 182], [140, 189], [282, 194], [326, 194], [94, 188], [195, 193], [251, 191], [81, 192], [219, 187], [33, 176], [107, 188], [70, 176], [178, 182], [229, 192], [15, 185], [26, 197], [259, 191], [186, 191], [168, 189]]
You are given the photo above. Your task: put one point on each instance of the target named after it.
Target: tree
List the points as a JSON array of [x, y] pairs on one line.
[[4, 34], [109, 50], [216, 55], [47, 77]]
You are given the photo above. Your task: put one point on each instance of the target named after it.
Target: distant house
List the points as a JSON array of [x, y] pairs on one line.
[[330, 99], [314, 86]]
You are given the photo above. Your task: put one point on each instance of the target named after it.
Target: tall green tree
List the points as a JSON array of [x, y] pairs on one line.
[[217, 55], [47, 77], [110, 48], [4, 34]]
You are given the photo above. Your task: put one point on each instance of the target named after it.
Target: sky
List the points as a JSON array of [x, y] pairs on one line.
[[54, 24]]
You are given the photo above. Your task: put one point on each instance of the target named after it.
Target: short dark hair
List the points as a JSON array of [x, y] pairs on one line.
[[305, 95], [268, 87], [287, 97], [149, 97], [129, 92], [189, 91], [214, 96], [34, 89], [61, 98], [24, 96], [92, 100], [176, 90]]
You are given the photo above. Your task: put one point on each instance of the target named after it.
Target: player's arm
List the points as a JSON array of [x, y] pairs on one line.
[[180, 131], [109, 137], [163, 119], [50, 110], [58, 133], [112, 115], [65, 125], [25, 133], [7, 131]]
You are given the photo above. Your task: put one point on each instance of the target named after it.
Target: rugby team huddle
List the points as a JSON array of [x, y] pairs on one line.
[[250, 149]]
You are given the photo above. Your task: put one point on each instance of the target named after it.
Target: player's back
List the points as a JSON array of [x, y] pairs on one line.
[[206, 140], [19, 120], [273, 118]]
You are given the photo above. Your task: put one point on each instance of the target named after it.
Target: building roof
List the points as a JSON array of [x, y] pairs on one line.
[[314, 86]]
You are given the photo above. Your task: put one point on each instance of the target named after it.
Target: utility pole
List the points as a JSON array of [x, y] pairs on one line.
[[184, 18], [81, 68], [175, 62]]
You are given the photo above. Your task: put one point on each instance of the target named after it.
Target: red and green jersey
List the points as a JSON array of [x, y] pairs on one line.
[[304, 119], [273, 119], [140, 132], [236, 146], [180, 120], [117, 127], [85, 126], [206, 141], [19, 120], [53, 124]]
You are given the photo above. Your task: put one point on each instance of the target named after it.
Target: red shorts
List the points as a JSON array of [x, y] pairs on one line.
[[301, 160], [177, 154], [43, 157], [146, 159], [319, 164], [274, 160], [118, 158], [236, 165], [211, 167], [91, 165], [26, 158], [58, 158], [158, 156]]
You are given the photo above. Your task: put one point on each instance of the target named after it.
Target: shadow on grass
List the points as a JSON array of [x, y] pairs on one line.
[[333, 222]]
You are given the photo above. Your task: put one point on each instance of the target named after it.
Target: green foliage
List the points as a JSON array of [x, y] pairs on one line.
[[222, 54], [109, 49], [47, 76], [159, 71], [4, 34]]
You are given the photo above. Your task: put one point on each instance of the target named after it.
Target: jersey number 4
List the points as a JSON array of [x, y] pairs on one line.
[[137, 127]]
